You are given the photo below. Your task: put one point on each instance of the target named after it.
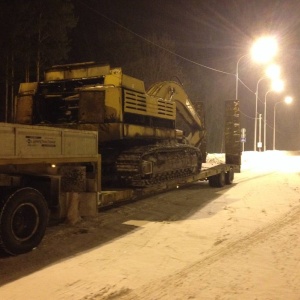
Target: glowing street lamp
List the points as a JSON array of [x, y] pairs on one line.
[[272, 72], [287, 100], [277, 86], [262, 51]]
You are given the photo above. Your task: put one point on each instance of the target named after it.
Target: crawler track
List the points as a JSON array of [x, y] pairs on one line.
[[146, 165]]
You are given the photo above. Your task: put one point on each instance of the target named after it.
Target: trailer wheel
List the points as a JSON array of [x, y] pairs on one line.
[[23, 221], [217, 180], [229, 176]]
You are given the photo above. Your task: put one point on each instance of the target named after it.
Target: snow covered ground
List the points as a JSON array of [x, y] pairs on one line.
[[237, 242]]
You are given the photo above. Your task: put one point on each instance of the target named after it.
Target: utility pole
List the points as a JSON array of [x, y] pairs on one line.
[[259, 133]]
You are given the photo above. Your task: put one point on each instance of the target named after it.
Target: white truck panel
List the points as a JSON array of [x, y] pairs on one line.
[[25, 141]]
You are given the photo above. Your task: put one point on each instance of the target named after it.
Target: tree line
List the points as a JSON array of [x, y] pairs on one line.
[[34, 35]]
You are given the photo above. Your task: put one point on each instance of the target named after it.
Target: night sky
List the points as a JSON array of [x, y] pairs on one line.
[[213, 34]]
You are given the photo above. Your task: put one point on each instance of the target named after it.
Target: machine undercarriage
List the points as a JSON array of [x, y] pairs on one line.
[[142, 166]]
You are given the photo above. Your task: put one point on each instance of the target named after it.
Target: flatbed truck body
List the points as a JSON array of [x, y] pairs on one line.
[[40, 170], [27, 143]]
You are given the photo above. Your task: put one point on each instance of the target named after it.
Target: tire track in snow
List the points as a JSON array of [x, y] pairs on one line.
[[157, 290]]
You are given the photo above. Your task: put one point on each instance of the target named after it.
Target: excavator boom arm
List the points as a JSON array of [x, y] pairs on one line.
[[172, 91]]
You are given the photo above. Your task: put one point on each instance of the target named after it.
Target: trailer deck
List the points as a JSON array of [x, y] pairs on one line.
[[111, 197]]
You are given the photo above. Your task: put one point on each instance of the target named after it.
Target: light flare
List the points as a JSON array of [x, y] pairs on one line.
[[264, 49]]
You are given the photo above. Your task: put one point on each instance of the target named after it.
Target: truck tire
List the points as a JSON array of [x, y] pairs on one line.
[[23, 220], [217, 180], [229, 176]]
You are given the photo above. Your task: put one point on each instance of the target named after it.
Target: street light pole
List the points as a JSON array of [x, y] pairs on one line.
[[274, 123], [287, 100], [259, 132], [277, 86], [265, 118], [272, 72], [255, 119], [237, 77]]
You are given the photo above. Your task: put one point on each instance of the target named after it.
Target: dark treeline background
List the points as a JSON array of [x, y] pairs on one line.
[[160, 40], [34, 35]]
